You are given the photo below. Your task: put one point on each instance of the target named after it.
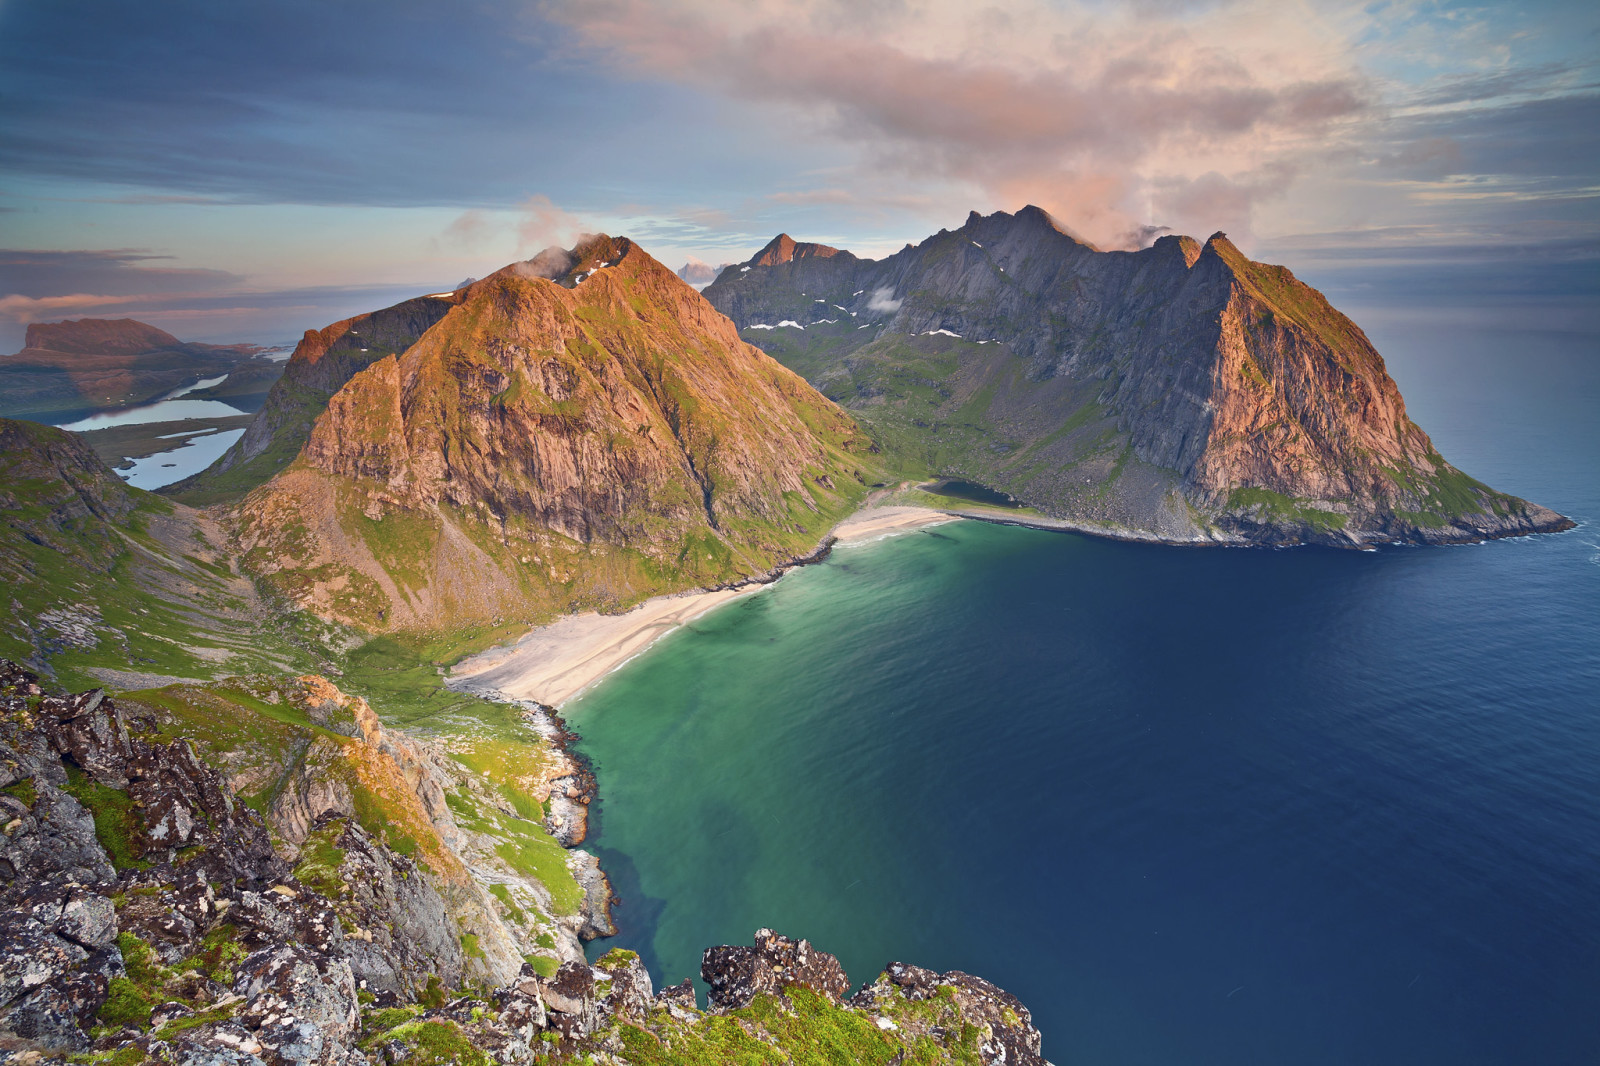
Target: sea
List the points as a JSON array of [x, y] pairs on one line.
[[1192, 806]]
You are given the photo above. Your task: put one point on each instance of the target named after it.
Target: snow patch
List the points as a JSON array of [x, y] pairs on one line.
[[975, 244], [440, 295], [824, 321], [941, 333], [760, 325], [744, 270], [790, 322]]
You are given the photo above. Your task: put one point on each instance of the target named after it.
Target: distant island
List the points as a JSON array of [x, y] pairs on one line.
[[68, 369]]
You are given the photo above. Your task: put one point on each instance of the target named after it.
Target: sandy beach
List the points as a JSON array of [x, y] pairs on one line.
[[885, 521], [554, 663]]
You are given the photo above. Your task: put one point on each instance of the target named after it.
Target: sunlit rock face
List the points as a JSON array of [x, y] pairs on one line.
[[1248, 408]]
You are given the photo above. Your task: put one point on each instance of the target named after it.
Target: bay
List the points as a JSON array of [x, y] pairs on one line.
[[1201, 806]]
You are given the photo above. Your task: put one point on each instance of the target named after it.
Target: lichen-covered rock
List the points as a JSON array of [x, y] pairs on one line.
[[205, 949], [739, 974], [570, 1001], [1007, 1032], [300, 1003], [623, 985], [398, 929]]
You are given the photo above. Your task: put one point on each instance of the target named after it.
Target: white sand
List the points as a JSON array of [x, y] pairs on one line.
[[556, 662], [884, 521]]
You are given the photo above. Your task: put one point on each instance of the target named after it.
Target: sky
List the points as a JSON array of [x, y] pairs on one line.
[[243, 172]]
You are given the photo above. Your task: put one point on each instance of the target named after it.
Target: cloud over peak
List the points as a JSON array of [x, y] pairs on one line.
[[1105, 119]]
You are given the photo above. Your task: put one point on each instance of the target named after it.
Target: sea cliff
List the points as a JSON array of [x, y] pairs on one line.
[[152, 914]]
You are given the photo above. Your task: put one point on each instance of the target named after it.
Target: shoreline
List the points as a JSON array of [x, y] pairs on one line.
[[554, 663], [558, 661]]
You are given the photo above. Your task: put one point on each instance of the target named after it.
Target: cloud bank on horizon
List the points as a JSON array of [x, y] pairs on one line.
[[259, 167]]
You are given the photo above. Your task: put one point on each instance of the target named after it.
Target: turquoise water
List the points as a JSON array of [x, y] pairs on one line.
[[1198, 806]]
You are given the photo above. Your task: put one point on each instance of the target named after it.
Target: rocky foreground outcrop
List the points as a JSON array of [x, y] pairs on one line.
[[146, 916]]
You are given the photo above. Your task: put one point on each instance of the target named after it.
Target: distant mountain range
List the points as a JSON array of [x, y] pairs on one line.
[[700, 273], [68, 368], [584, 429], [1183, 392]]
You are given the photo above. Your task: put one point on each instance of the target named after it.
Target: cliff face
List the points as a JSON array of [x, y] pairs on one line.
[[1240, 402], [148, 915], [322, 363], [582, 428]]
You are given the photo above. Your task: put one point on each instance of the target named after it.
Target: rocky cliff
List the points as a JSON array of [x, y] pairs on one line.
[[67, 368], [322, 363], [1182, 391], [582, 429], [149, 915]]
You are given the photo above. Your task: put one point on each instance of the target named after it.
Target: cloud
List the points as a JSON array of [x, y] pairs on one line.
[[883, 300], [541, 224], [467, 232], [112, 272], [1082, 110], [34, 309]]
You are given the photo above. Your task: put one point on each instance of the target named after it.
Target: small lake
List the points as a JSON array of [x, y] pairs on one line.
[[163, 468], [170, 408]]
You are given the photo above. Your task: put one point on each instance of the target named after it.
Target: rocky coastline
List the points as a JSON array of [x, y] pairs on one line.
[[150, 916]]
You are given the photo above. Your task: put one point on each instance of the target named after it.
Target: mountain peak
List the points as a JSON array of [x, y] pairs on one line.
[[784, 249]]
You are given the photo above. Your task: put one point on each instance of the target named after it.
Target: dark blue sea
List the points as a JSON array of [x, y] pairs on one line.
[[1196, 806]]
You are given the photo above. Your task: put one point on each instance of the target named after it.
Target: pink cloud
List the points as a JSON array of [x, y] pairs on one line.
[[1091, 116]]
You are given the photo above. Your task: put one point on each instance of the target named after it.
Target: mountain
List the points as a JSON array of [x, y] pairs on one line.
[[1182, 392], [699, 273], [106, 583], [66, 369], [579, 430], [321, 364]]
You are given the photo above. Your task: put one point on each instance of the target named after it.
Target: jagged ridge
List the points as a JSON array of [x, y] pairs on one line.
[[1229, 399]]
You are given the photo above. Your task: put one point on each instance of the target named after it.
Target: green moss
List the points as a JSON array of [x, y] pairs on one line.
[[432, 994], [543, 965], [116, 825], [435, 1043], [130, 999], [219, 954], [514, 912], [320, 859], [616, 958], [470, 946], [373, 812], [534, 853], [388, 1017], [195, 1020], [126, 1004], [24, 791], [1278, 507]]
